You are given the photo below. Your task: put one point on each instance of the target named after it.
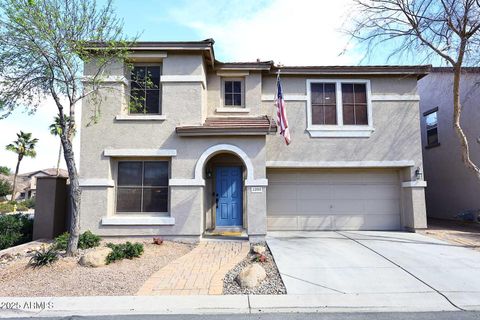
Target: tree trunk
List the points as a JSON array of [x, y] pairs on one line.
[[74, 195], [59, 157], [457, 111], [14, 187]]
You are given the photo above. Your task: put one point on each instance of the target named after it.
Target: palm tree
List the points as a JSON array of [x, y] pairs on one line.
[[24, 146], [56, 130]]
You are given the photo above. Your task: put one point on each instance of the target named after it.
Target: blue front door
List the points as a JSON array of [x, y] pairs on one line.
[[228, 196]]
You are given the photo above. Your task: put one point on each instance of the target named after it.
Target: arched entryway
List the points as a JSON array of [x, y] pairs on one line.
[[225, 174]]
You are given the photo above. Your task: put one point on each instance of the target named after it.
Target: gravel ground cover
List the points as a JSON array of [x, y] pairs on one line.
[[462, 233], [68, 278], [272, 284]]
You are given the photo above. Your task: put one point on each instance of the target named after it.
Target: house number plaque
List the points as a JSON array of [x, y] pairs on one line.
[[256, 189]]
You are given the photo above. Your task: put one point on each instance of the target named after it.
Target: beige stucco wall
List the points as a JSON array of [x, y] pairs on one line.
[[253, 92], [396, 136], [452, 188]]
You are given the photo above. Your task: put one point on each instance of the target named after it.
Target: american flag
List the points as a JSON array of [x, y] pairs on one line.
[[281, 113]]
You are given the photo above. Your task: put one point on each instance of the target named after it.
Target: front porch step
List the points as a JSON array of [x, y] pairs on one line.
[[226, 233]]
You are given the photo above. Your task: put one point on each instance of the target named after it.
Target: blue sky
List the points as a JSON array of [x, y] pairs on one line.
[[299, 32]]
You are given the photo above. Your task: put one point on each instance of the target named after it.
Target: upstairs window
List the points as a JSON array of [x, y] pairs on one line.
[[142, 186], [339, 108], [354, 104], [145, 95], [233, 95], [324, 103], [431, 125]]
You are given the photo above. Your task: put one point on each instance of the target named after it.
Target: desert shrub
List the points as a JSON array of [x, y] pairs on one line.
[[88, 240], [85, 241], [44, 257], [29, 203], [15, 229], [61, 241], [126, 250]]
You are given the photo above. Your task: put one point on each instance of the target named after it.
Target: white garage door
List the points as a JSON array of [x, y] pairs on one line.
[[333, 200]]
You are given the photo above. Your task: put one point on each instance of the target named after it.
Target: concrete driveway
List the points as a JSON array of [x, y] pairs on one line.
[[370, 263]]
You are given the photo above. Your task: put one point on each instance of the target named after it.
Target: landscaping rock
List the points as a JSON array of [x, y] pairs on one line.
[[95, 258], [251, 276], [6, 256], [259, 249]]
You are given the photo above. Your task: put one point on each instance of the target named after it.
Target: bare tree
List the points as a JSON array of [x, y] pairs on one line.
[[43, 47], [442, 30]]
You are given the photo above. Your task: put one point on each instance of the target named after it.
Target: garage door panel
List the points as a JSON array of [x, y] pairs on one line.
[[367, 199], [282, 191], [310, 178], [282, 223], [366, 222], [348, 192], [314, 206], [315, 223], [391, 207], [381, 191], [312, 191], [282, 206], [348, 206]]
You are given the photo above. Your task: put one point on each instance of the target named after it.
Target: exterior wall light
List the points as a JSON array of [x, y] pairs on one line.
[[208, 174], [418, 174]]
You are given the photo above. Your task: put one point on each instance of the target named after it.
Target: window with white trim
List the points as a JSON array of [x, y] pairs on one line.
[[339, 108], [142, 186], [233, 92], [145, 89]]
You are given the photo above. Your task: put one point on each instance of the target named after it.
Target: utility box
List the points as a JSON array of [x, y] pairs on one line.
[[50, 207]]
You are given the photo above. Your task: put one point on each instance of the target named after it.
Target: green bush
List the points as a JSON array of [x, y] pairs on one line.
[[61, 241], [15, 229], [85, 241], [29, 203], [44, 257], [126, 250], [5, 188], [88, 240]]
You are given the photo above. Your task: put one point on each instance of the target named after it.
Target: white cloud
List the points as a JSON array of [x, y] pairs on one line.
[[301, 32]]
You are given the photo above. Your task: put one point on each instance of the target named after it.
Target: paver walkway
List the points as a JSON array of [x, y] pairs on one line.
[[199, 272]]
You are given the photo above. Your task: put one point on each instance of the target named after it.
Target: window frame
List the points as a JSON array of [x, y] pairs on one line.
[[425, 115], [142, 187], [339, 129], [160, 89], [242, 88]]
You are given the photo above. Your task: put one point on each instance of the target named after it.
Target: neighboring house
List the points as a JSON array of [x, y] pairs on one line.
[[27, 182], [452, 188], [205, 156], [22, 185]]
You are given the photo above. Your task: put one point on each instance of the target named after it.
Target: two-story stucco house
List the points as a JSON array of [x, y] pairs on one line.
[[200, 154]]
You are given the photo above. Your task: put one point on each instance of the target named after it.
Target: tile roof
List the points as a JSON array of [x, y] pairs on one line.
[[262, 125]]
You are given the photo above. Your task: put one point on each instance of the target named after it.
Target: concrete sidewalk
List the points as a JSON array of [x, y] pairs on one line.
[[238, 304]]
